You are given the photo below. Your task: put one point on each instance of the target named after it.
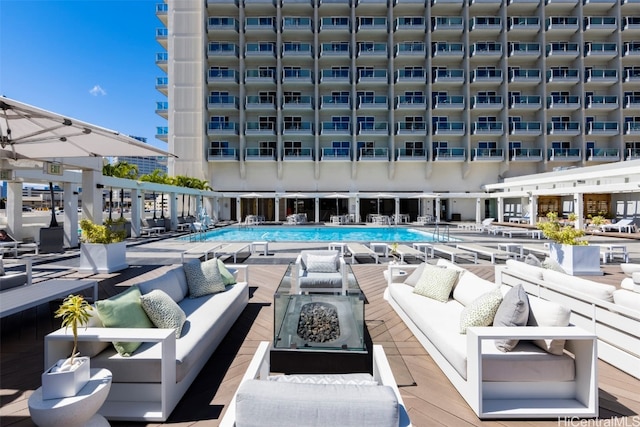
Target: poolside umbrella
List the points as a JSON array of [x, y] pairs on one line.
[[295, 196], [252, 196], [382, 196], [337, 196], [428, 196]]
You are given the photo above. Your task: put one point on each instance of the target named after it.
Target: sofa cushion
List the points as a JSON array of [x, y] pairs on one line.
[[163, 311], [470, 287], [12, 280], [305, 254], [203, 278], [436, 282], [521, 267], [627, 299], [172, 280], [482, 311], [596, 290], [321, 263], [268, 403], [628, 284], [91, 348], [413, 278], [227, 277], [349, 379], [513, 311], [548, 313], [124, 311], [309, 280]]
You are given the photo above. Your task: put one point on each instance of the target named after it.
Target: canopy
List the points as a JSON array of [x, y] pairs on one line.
[[28, 132]]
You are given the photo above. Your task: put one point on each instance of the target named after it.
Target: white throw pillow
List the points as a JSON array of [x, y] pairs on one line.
[[436, 282], [321, 263], [482, 311]]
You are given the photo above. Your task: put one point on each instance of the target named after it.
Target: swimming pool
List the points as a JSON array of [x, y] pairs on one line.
[[318, 234]]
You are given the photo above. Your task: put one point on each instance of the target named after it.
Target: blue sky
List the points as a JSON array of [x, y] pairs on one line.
[[92, 60]]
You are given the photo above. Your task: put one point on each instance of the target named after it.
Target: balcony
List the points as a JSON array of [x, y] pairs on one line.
[[601, 102], [560, 5], [449, 76], [222, 76], [373, 154], [259, 154], [297, 24], [255, 50], [449, 128], [410, 76], [298, 50], [487, 155], [603, 155], [603, 128], [222, 25], [264, 25], [162, 109], [631, 25], [447, 24], [563, 50], [297, 154], [410, 49], [631, 49], [335, 128], [598, 5], [411, 155], [524, 50], [564, 154], [486, 102], [524, 5], [447, 5], [222, 154], [522, 76], [260, 76], [260, 103], [409, 102], [335, 154], [410, 24], [162, 34], [374, 24], [297, 103], [601, 76], [601, 50], [373, 103], [378, 75], [525, 128], [376, 50], [297, 128], [563, 76], [373, 128], [486, 76], [632, 154], [486, 50], [485, 25], [632, 75], [563, 102], [525, 102], [335, 50], [296, 76], [447, 50], [334, 24], [335, 76], [222, 128], [632, 128], [601, 25], [162, 133], [454, 154], [162, 84], [260, 128], [488, 128], [561, 26], [449, 102], [162, 59], [222, 102], [525, 155], [215, 49], [411, 128], [632, 102], [486, 5], [331, 102], [563, 128], [524, 24]]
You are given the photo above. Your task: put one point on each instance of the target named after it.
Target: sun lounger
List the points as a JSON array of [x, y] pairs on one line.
[[231, 249], [625, 224], [356, 249], [610, 252], [492, 253], [404, 251], [203, 248], [536, 249], [516, 232], [454, 252], [485, 224]]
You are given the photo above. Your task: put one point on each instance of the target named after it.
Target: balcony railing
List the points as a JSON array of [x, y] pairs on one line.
[[260, 128], [523, 23], [374, 154], [447, 23], [407, 154], [602, 128], [486, 101], [486, 49], [222, 154], [632, 74], [260, 75], [525, 128], [297, 102], [256, 153], [335, 49], [222, 24], [595, 75], [260, 49], [486, 75], [410, 48], [296, 23], [369, 75], [562, 49], [336, 127], [525, 101], [525, 154], [447, 49], [222, 49], [528, 49], [335, 76], [447, 102], [222, 75], [449, 154], [632, 153], [492, 154], [297, 49], [488, 128], [297, 75], [373, 102], [522, 75], [411, 101], [330, 153], [602, 101], [632, 101], [330, 101], [411, 75], [563, 101], [631, 48], [563, 128], [373, 128], [372, 49], [603, 154], [260, 102], [222, 127], [259, 23], [222, 101], [632, 128], [449, 128], [563, 75], [411, 127], [377, 23], [563, 154], [330, 23], [449, 76], [409, 23], [600, 49], [297, 154], [297, 128]]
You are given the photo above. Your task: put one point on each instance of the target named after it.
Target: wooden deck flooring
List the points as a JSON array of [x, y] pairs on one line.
[[429, 397]]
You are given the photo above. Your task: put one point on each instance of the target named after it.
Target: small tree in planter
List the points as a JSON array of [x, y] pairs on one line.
[[103, 250], [573, 254], [67, 377]]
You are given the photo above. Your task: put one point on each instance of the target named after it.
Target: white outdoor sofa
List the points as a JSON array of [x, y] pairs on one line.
[[526, 382], [350, 400], [612, 314], [149, 384]]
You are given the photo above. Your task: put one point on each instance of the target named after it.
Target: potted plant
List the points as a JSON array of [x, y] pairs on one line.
[[568, 249], [102, 250], [67, 377]]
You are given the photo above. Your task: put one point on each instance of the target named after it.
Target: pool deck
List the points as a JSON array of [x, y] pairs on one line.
[[430, 398]]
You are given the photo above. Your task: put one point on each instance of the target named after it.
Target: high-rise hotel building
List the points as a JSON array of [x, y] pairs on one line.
[[396, 95]]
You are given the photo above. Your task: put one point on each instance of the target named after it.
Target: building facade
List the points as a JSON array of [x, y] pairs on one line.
[[396, 95]]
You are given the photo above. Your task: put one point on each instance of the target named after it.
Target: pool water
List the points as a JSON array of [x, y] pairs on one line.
[[318, 234]]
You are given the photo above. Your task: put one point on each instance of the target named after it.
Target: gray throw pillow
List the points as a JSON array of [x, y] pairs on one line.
[[482, 311], [531, 259], [203, 278], [513, 311], [321, 263], [163, 311]]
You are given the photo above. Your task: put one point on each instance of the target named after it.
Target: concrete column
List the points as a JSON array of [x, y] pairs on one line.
[[92, 196], [500, 203], [478, 210], [14, 209], [277, 208], [238, 210], [173, 210], [317, 209], [136, 211], [397, 200], [437, 210], [357, 212], [70, 222], [578, 207], [533, 209]]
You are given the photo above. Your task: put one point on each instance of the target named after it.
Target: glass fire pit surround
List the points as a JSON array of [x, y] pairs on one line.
[[319, 321]]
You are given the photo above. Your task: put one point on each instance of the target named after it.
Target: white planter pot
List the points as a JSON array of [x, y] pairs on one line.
[[577, 260], [99, 258], [56, 385]]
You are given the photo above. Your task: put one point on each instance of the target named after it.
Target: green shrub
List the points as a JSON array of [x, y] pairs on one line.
[[94, 233], [561, 233]]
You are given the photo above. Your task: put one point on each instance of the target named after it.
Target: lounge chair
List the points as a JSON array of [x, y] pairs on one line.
[[231, 249], [536, 249], [454, 252], [485, 224], [625, 224], [515, 232], [356, 249], [521, 219], [201, 249], [404, 251], [492, 253]]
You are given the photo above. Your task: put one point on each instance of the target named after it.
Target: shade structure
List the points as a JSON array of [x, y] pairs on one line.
[[379, 196], [28, 132], [336, 196], [295, 196], [255, 196]]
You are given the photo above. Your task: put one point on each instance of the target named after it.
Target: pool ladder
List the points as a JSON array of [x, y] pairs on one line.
[[441, 233]]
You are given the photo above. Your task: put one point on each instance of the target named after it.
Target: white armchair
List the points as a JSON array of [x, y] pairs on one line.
[[320, 271]]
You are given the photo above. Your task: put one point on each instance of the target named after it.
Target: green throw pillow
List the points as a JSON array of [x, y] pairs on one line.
[[163, 311], [227, 276], [436, 282], [203, 278], [124, 311], [482, 311]]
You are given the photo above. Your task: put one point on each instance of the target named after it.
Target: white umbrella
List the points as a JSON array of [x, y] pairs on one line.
[[252, 196], [337, 196], [295, 196], [381, 196], [28, 132]]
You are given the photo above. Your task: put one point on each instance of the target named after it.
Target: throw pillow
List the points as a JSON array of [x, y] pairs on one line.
[[227, 276], [163, 311], [548, 313], [531, 259], [203, 278], [482, 311], [413, 278], [513, 311], [552, 264], [436, 282], [124, 311], [321, 263]]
